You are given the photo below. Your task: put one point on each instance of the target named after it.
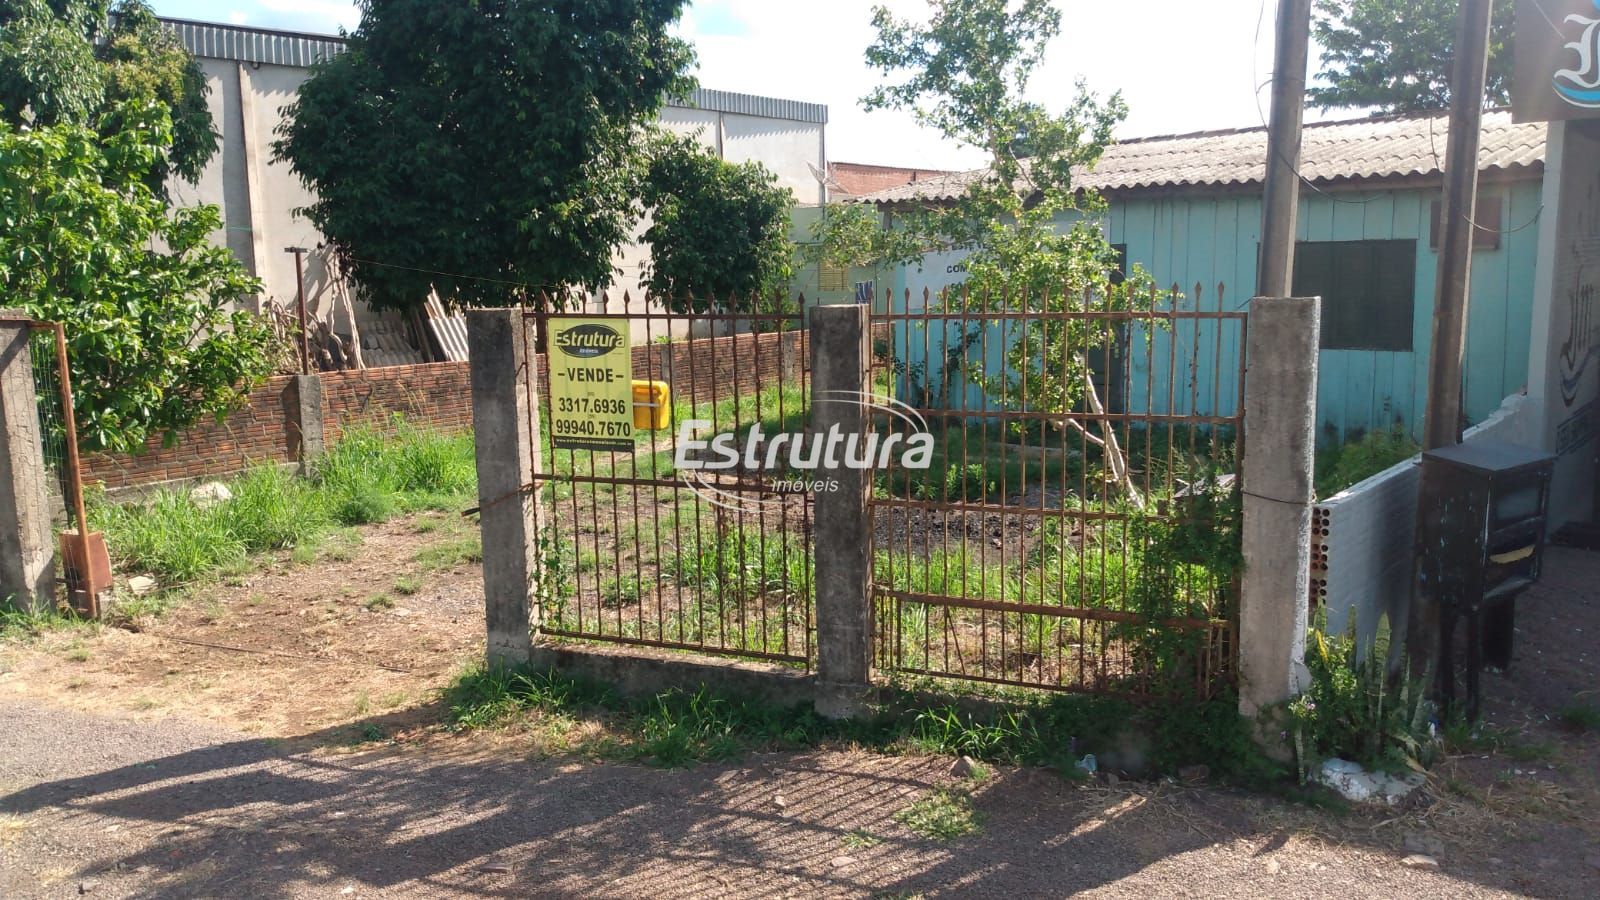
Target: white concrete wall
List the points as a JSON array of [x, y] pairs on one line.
[[1362, 537], [1564, 359]]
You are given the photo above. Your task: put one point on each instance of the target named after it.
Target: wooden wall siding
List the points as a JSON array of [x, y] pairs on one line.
[[1212, 240]]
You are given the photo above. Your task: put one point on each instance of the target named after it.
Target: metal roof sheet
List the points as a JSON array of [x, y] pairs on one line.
[[214, 40], [1369, 148]]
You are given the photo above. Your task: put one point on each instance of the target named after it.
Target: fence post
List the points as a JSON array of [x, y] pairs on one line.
[[840, 355], [1280, 411], [27, 549], [304, 401], [505, 421]]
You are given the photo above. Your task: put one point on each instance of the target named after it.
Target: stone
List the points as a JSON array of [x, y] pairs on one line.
[[1274, 867], [842, 862], [210, 494], [779, 802], [1420, 861], [963, 767], [141, 584], [85, 887], [1357, 785]]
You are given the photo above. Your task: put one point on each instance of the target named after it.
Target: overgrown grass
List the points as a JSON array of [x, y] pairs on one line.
[[1356, 461], [674, 727], [367, 477]]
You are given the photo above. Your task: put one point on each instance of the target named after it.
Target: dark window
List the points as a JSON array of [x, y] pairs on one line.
[[1368, 291]]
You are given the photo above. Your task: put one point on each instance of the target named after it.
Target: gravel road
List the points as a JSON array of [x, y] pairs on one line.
[[118, 807]]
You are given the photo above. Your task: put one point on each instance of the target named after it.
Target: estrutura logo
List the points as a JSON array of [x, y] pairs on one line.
[[799, 462], [589, 341], [1580, 86]]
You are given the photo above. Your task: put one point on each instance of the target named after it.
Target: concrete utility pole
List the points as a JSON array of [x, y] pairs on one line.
[[1280, 406], [1442, 425], [1280, 203]]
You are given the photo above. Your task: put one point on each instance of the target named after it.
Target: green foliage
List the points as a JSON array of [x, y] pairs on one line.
[[675, 727], [143, 293], [180, 541], [1009, 217], [64, 62], [941, 815], [1395, 56], [1353, 710], [1359, 460], [719, 231], [498, 139]]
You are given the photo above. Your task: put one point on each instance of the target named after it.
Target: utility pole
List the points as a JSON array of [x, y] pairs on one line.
[[1442, 425], [1280, 203], [1467, 81], [300, 301], [1280, 404]]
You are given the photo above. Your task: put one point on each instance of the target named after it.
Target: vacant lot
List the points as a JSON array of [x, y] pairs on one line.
[[277, 733]]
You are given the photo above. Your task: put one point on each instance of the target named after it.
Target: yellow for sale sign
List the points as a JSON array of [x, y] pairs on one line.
[[591, 388]]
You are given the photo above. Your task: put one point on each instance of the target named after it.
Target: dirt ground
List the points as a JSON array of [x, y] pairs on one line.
[[277, 736]]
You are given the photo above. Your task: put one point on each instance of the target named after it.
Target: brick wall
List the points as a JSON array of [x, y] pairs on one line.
[[433, 394], [437, 395]]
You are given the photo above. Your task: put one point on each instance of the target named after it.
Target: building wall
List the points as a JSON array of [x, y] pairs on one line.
[[259, 197], [1566, 359], [1206, 246]]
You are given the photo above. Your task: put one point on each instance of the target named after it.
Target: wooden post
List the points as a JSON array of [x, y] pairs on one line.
[[1442, 424]]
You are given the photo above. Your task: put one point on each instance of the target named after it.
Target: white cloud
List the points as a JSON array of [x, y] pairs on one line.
[[317, 16]]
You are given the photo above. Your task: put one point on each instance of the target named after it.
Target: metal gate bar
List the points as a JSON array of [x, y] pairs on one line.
[[1013, 560], [644, 556]]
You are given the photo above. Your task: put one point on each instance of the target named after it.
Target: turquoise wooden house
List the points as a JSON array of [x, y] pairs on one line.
[[1188, 208]]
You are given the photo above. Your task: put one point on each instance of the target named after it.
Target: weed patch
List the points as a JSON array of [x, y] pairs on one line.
[[943, 815]]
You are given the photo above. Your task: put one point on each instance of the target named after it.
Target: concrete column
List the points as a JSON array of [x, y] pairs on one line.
[[664, 366], [302, 401], [505, 420], [27, 549], [1280, 413], [789, 356], [841, 351]]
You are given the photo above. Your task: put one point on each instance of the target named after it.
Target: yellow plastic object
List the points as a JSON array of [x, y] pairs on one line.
[[652, 405]]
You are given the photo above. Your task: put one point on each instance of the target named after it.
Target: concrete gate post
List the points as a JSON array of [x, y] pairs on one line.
[[303, 401], [27, 548], [841, 353], [1280, 411], [505, 420]]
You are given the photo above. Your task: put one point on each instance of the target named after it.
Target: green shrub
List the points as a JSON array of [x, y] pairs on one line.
[[1351, 710], [1361, 459]]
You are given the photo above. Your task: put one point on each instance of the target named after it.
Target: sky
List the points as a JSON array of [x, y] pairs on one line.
[[1181, 65]]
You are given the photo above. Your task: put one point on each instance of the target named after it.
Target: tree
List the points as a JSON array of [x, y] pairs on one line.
[[145, 297], [964, 74], [77, 61], [1395, 56], [494, 140], [719, 231]]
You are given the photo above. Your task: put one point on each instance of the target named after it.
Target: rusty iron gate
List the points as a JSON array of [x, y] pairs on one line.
[[637, 552], [1077, 526]]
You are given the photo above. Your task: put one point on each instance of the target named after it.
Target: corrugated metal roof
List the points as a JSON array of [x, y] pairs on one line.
[[1330, 152], [255, 45], [214, 40]]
